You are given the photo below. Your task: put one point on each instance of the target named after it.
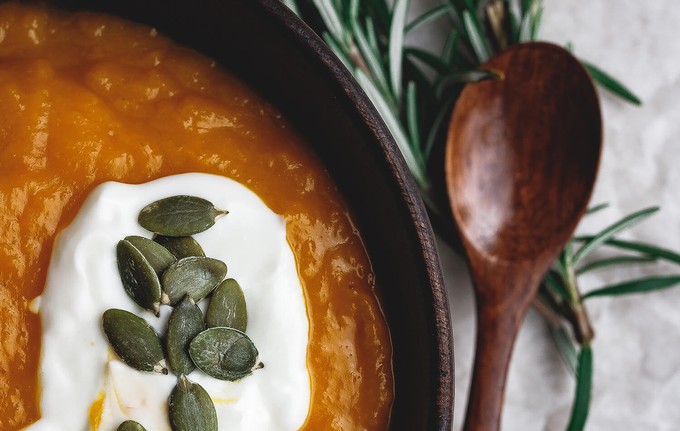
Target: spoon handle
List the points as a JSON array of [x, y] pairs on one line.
[[496, 332], [503, 292]]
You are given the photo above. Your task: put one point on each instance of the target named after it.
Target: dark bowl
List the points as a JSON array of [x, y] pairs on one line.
[[284, 60]]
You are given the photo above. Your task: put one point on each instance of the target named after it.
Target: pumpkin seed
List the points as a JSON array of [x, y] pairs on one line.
[[134, 341], [191, 408], [158, 256], [224, 353], [227, 307], [139, 277], [186, 321], [179, 216], [180, 246], [193, 276], [130, 426]]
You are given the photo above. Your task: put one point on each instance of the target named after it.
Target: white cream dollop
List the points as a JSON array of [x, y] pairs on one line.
[[78, 370]]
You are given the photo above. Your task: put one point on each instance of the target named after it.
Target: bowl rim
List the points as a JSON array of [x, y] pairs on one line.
[[338, 73]]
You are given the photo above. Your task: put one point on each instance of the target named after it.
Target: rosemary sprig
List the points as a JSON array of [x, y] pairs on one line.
[[415, 89], [561, 294]]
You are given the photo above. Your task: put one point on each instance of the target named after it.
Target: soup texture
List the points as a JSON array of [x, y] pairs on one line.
[[86, 98]]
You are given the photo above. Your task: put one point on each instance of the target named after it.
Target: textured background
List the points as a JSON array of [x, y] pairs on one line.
[[637, 345]]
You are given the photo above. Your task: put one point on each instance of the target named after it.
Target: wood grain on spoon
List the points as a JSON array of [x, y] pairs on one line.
[[521, 161]]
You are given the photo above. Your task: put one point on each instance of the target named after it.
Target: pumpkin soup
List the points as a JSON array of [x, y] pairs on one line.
[[87, 98]]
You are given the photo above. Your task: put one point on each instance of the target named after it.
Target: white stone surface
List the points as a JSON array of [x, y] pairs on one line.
[[637, 346]]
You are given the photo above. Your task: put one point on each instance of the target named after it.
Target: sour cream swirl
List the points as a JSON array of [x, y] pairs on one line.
[[84, 386]]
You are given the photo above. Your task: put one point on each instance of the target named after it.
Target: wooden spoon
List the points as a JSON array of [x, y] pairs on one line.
[[522, 156]]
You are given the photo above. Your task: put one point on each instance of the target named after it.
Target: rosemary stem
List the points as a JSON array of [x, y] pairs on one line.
[[583, 329], [550, 315], [357, 60], [495, 12], [577, 313]]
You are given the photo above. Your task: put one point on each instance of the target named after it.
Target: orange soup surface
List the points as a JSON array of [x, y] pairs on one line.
[[87, 98]]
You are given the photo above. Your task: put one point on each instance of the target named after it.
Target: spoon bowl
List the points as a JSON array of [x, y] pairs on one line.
[[521, 161]]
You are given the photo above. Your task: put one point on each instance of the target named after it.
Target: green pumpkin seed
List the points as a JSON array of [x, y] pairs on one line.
[[134, 341], [180, 246], [179, 216], [224, 353], [186, 321], [138, 276], [193, 276], [191, 408], [158, 256], [227, 307], [130, 426]]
